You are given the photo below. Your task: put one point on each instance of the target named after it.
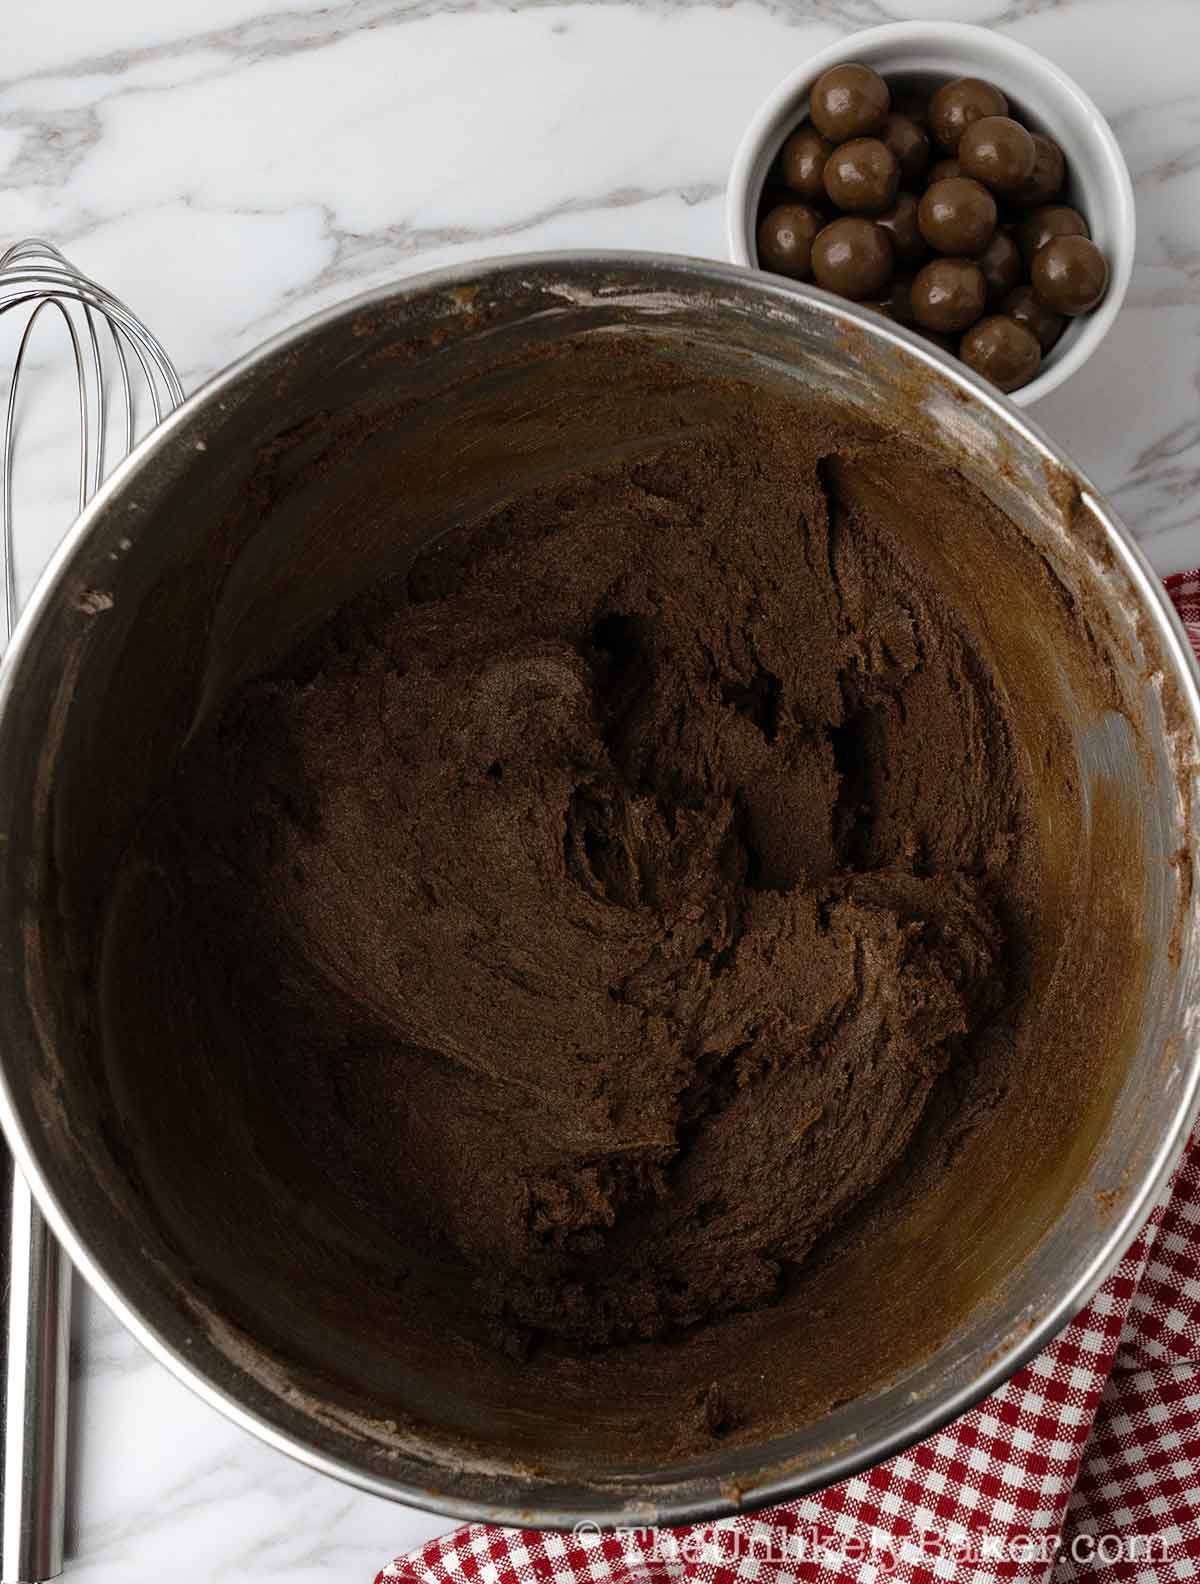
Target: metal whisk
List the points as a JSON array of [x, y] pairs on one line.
[[117, 359], [36, 276]]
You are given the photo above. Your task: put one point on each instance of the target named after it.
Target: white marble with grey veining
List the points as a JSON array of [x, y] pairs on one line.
[[228, 166]]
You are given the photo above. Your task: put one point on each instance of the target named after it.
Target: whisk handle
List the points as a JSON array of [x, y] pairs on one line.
[[35, 1311]]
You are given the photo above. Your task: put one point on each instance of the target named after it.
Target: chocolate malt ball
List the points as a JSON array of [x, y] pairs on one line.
[[1002, 350], [900, 223], [1042, 224], [849, 101], [861, 177], [913, 105], [1049, 172], [909, 142], [956, 104], [999, 152], [1000, 262], [896, 302], [853, 257], [1069, 275], [948, 294], [1022, 305], [802, 163], [785, 238], [957, 216], [942, 170]]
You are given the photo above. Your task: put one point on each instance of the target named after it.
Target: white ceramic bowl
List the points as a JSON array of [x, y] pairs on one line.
[[916, 55]]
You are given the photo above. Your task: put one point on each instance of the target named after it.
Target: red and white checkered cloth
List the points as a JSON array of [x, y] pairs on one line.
[[1184, 589], [1085, 1465]]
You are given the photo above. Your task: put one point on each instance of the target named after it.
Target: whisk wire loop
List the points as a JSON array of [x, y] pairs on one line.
[[35, 275]]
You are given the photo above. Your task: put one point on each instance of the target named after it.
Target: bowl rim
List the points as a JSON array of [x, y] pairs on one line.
[[988, 46], [1020, 1344]]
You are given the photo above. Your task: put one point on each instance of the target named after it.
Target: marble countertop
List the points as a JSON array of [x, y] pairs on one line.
[[228, 166]]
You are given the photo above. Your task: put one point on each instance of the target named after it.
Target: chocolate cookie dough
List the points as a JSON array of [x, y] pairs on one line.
[[610, 899]]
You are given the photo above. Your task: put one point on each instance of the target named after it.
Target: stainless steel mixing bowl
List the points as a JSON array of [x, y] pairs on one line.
[[311, 467]]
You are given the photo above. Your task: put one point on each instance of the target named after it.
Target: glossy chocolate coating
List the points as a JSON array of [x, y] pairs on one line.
[[1000, 262], [1042, 224], [948, 294], [853, 257], [1049, 172], [900, 223], [909, 142], [1022, 305], [862, 176], [785, 238], [956, 104], [802, 163], [849, 101], [957, 216], [999, 152], [1003, 351], [1070, 275]]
